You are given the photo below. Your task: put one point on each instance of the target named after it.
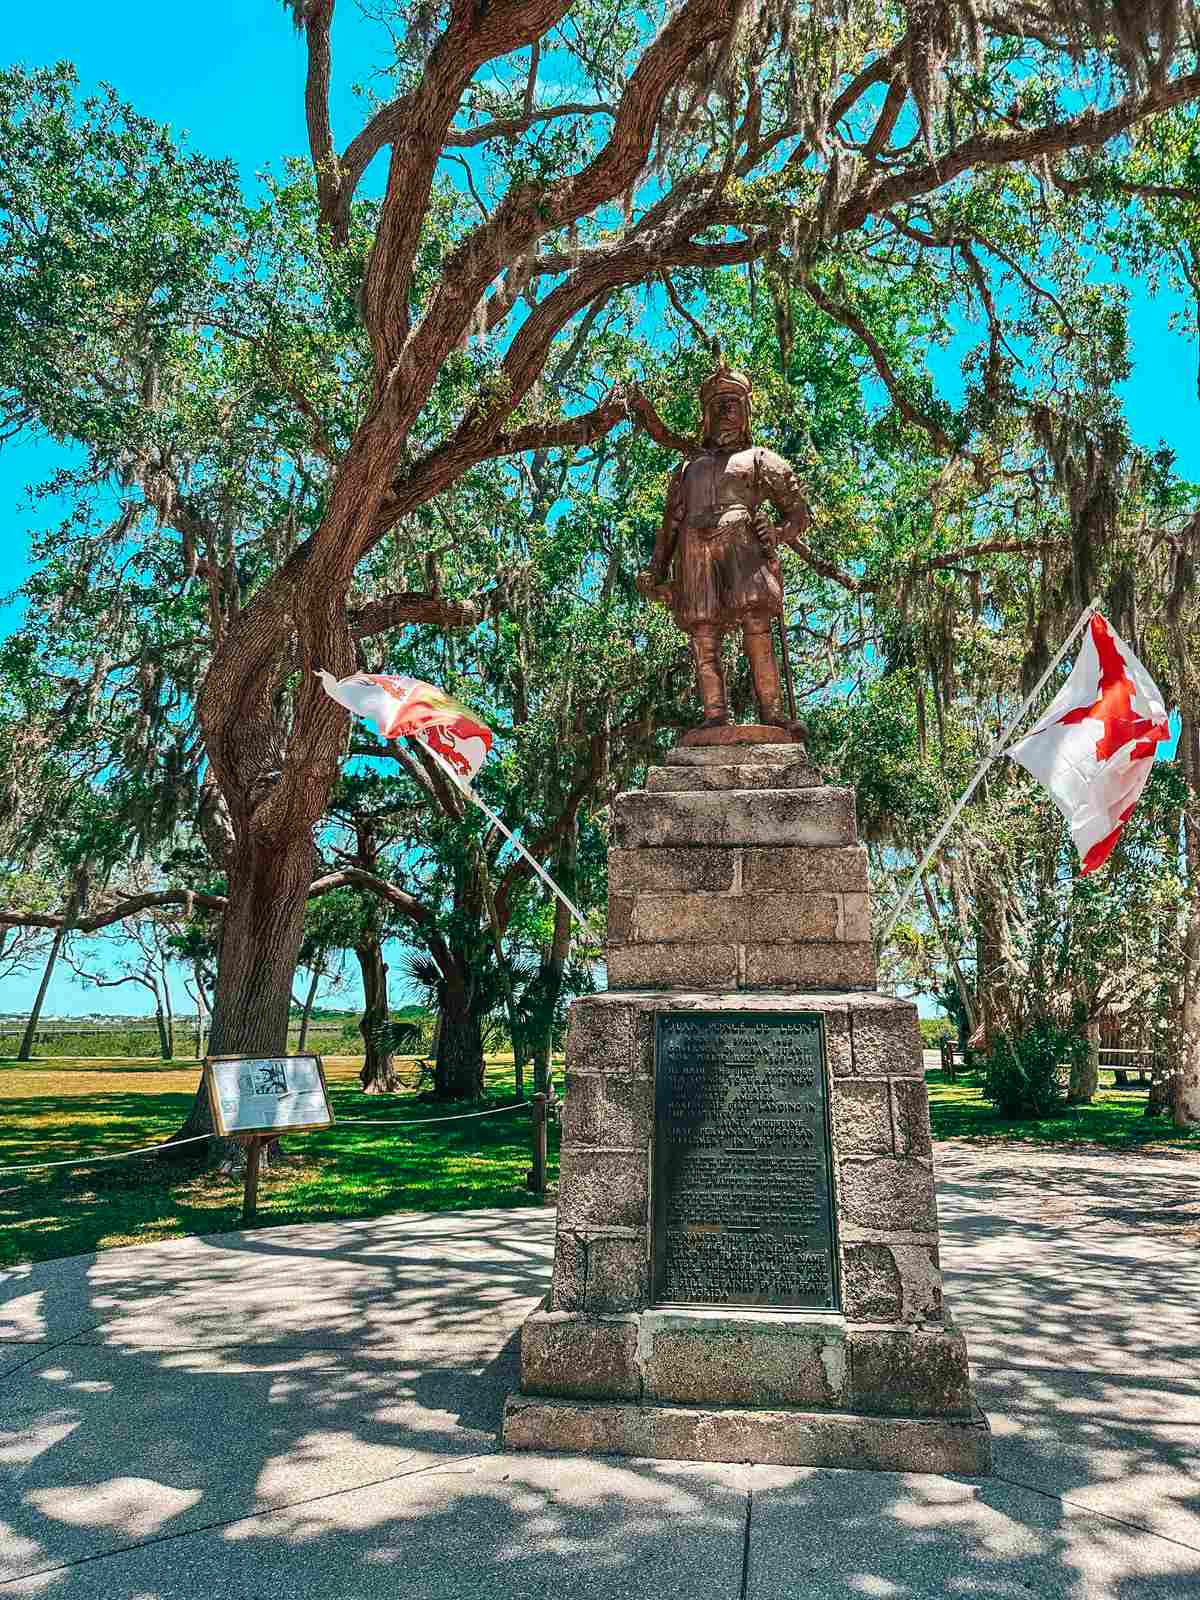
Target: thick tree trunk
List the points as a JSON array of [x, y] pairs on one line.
[[378, 1075], [1085, 1074], [458, 1073], [261, 934], [1185, 1097]]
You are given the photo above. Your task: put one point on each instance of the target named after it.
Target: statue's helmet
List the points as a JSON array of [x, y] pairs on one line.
[[725, 381]]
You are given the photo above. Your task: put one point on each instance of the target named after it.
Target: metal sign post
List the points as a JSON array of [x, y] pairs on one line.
[[250, 1192]]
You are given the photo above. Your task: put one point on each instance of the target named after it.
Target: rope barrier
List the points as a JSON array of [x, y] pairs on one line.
[[422, 1122], [123, 1155], [365, 1122]]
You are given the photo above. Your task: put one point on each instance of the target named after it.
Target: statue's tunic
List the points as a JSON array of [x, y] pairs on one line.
[[725, 568]]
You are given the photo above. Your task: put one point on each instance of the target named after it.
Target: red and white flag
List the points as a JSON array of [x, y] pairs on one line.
[[1094, 748], [399, 706]]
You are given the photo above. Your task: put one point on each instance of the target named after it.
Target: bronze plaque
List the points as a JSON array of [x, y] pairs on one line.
[[743, 1210]]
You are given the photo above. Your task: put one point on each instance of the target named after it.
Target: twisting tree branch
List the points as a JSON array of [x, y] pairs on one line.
[[406, 610], [849, 318], [624, 404], [1087, 131], [513, 127], [133, 906]]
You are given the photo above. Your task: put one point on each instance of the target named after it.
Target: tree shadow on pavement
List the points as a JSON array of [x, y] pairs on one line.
[[314, 1410]]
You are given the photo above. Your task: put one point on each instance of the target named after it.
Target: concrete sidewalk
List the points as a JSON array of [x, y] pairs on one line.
[[312, 1412]]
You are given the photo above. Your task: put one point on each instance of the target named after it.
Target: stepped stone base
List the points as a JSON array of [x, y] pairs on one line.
[[786, 1438], [737, 889], [735, 733]]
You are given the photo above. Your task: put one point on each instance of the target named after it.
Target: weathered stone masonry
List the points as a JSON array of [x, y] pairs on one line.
[[738, 884]]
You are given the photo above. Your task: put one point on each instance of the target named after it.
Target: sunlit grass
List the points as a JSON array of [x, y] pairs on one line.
[[1116, 1119], [49, 1111]]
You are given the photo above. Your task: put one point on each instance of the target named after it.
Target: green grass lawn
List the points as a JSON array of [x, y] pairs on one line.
[[65, 1109], [62, 1108], [1116, 1119]]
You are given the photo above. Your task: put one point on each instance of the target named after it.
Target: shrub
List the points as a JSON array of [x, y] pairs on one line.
[[934, 1030], [1021, 1077]]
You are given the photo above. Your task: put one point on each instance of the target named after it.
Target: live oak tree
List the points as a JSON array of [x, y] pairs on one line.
[[277, 389], [576, 689]]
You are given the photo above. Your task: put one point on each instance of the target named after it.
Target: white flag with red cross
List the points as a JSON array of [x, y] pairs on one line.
[[1094, 748]]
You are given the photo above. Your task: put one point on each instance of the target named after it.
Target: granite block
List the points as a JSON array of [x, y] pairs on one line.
[[819, 965], [784, 868], [679, 870], [726, 919], [618, 1273], [794, 774], [742, 1361], [909, 1372], [716, 755], [606, 1035], [891, 1283], [620, 918], [892, 1193], [773, 1437], [602, 1187], [862, 1117], [886, 1041], [910, 1117], [568, 1279], [673, 966], [563, 1353], [600, 1109], [821, 816], [856, 917]]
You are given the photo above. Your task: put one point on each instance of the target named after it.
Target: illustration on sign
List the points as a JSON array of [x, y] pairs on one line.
[[267, 1094], [743, 1209]]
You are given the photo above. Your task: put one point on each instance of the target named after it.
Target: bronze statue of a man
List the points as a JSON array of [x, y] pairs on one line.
[[714, 561]]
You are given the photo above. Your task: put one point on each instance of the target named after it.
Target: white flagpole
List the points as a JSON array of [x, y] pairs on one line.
[[997, 749], [466, 788]]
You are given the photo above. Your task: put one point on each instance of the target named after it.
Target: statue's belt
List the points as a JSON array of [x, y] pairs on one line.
[[712, 524]]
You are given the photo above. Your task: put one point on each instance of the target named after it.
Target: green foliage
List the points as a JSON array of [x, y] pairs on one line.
[[1115, 1120], [203, 356], [934, 1030], [1021, 1076]]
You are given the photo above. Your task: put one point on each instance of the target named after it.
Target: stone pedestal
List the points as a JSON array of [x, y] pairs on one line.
[[739, 900]]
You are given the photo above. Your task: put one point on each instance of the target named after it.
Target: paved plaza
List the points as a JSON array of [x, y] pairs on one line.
[[313, 1412]]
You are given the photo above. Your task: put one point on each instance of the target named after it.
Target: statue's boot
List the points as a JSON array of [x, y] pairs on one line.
[[706, 653], [764, 670]]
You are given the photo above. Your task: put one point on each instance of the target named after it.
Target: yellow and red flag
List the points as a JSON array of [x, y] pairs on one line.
[[400, 706]]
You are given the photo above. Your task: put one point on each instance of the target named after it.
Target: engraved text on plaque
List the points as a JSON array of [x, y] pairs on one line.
[[742, 1186]]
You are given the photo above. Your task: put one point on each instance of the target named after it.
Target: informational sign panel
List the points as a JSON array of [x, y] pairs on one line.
[[267, 1094], [743, 1212]]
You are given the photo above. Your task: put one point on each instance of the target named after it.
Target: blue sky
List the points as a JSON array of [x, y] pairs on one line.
[[231, 75]]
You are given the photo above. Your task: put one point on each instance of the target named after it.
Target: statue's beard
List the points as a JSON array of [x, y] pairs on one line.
[[728, 435]]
